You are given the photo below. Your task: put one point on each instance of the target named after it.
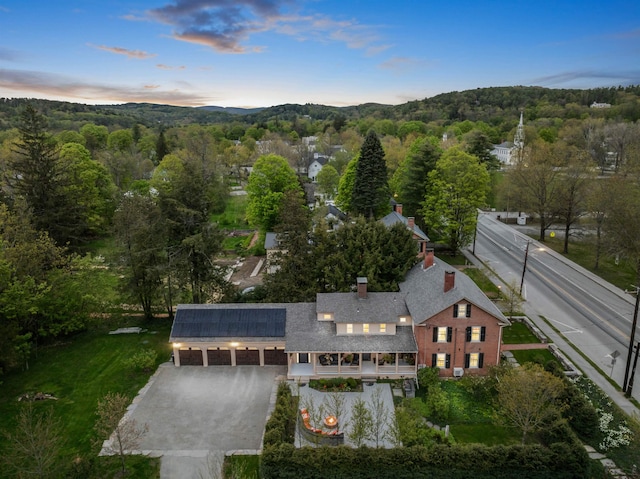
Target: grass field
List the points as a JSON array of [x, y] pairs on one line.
[[233, 217], [79, 372]]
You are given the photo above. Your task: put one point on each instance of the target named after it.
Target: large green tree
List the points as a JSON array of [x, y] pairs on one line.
[[457, 188], [328, 179], [370, 197], [269, 181], [141, 235], [414, 174], [345, 185]]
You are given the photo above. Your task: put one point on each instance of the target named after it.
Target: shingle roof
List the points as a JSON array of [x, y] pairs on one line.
[[228, 321], [425, 296], [376, 308], [271, 241], [306, 334], [395, 217]]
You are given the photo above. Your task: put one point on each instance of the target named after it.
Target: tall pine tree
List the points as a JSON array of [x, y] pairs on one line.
[[371, 192]]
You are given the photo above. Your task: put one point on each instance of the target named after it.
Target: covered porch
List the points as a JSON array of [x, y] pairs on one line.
[[315, 365]]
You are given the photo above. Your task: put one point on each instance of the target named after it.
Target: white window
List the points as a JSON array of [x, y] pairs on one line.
[[365, 328], [326, 316], [349, 328], [474, 360], [475, 333], [442, 335], [441, 360], [383, 328], [403, 319]]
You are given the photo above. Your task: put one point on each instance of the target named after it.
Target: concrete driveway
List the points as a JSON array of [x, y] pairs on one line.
[[196, 414]]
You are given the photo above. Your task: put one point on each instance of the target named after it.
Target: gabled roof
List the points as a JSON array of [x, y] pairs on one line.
[[395, 217], [425, 296], [210, 321], [305, 334], [336, 212], [375, 308]]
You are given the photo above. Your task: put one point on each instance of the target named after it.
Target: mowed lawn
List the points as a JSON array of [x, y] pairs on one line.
[[79, 372]]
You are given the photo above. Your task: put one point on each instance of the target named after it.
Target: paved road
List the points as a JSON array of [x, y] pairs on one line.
[[589, 312]]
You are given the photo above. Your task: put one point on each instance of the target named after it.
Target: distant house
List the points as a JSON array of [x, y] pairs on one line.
[[439, 318], [334, 217], [316, 166], [396, 217]]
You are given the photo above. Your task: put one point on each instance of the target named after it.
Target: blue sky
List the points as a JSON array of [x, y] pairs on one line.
[[251, 53]]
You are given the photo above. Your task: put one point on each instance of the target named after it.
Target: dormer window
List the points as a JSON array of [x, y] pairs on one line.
[[365, 328], [383, 328], [403, 319], [349, 328], [327, 316]]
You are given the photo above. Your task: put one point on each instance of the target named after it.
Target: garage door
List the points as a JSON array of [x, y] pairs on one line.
[[247, 357], [219, 357], [190, 357], [275, 357]]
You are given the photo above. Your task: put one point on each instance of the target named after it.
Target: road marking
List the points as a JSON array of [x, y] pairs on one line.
[[571, 328]]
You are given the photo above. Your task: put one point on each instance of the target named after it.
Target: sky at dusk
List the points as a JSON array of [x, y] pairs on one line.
[[259, 53]]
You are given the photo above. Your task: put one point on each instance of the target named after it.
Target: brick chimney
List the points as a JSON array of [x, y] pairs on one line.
[[449, 280], [398, 208], [428, 258], [362, 287], [411, 222]]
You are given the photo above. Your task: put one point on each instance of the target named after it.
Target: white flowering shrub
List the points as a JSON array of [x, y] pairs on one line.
[[615, 432], [613, 437]]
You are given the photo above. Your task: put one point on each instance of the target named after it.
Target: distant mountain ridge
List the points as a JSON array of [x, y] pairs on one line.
[[232, 110], [493, 105]]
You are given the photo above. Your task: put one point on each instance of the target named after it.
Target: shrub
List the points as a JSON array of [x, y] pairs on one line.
[[144, 360], [428, 377]]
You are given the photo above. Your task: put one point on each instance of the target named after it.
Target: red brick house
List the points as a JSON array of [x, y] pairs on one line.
[[457, 328], [438, 318]]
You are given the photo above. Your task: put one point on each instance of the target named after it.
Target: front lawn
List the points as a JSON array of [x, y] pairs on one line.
[[540, 356], [518, 333], [78, 373]]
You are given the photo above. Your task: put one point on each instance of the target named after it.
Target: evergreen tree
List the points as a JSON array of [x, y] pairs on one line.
[[38, 175], [421, 160], [371, 193]]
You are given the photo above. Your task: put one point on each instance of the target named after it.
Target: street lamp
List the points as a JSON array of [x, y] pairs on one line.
[[524, 267], [625, 386]]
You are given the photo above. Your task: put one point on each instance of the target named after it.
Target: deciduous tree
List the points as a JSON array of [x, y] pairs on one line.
[[269, 180], [457, 188], [34, 446], [120, 432], [527, 397]]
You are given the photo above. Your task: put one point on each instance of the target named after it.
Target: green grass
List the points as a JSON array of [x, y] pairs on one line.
[[79, 372], [540, 356], [484, 283], [242, 467], [518, 333], [233, 217], [622, 275]]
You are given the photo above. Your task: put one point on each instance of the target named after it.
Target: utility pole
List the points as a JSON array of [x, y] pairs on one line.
[[524, 267], [633, 337], [633, 371], [475, 234]]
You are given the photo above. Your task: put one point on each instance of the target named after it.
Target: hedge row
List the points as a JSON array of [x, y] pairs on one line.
[[281, 426], [559, 461]]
